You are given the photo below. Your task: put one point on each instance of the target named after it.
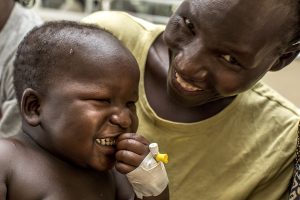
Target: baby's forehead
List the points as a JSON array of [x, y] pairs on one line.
[[77, 39], [91, 46], [86, 51], [94, 50]]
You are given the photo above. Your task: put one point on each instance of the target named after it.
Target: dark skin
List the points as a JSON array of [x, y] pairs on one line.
[[5, 10], [65, 149], [213, 50]]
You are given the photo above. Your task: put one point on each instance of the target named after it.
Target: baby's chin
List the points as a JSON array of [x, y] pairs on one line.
[[99, 165], [108, 164]]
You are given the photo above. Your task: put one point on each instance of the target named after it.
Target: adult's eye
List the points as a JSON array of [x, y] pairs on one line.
[[189, 25], [230, 59]]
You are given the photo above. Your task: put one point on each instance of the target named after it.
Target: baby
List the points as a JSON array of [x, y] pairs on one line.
[[76, 86]]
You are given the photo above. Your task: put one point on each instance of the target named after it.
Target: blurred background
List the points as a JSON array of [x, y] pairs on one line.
[[157, 11]]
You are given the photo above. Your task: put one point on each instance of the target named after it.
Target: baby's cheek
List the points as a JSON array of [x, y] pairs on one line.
[[135, 123]]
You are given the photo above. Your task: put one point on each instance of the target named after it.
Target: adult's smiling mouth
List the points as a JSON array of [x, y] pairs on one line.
[[185, 85]]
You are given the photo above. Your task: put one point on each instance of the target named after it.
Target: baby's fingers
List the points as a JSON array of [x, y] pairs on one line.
[[133, 136], [123, 168], [127, 161], [133, 143]]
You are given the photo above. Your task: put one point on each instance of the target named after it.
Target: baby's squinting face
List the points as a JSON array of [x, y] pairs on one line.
[[91, 105]]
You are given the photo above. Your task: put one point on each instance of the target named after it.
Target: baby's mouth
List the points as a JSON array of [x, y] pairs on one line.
[[106, 141], [185, 85]]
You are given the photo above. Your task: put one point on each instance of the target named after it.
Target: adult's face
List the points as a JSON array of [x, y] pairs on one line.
[[91, 104], [219, 48]]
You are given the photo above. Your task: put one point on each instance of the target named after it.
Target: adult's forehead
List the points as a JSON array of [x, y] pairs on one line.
[[246, 8], [234, 3], [246, 15]]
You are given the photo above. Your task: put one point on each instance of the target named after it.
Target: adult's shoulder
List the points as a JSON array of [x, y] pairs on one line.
[[27, 16], [23, 20], [124, 26], [268, 98], [118, 20], [270, 114], [136, 34], [20, 22]]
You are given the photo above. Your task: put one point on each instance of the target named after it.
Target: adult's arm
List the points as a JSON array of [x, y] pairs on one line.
[[10, 122]]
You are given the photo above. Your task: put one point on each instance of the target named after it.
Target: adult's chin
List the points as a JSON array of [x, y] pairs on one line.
[[188, 98]]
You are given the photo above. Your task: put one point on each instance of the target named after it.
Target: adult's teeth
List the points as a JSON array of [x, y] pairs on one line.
[[185, 85], [106, 141]]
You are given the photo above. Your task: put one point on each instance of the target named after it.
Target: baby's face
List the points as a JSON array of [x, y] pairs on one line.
[[94, 102], [219, 48]]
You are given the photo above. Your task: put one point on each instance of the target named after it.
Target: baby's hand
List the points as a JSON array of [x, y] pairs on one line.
[[131, 151]]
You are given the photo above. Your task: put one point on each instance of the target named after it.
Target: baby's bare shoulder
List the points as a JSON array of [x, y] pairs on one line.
[[8, 146], [10, 149], [5, 160], [8, 157], [16, 157]]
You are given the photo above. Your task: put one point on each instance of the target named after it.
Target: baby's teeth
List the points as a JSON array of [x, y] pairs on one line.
[[105, 141]]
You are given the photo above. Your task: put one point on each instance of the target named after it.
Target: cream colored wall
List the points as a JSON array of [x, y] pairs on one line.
[[287, 81]]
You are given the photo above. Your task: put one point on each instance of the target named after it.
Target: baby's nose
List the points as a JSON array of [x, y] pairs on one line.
[[121, 118]]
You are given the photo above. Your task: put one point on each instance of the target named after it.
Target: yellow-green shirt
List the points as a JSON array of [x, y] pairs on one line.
[[244, 152]]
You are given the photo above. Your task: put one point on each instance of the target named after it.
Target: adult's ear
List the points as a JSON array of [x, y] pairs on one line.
[[31, 106], [287, 57]]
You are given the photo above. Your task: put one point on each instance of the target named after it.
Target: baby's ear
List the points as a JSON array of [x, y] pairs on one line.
[[30, 106], [287, 57]]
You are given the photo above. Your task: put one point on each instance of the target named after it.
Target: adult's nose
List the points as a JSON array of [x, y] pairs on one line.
[[196, 71], [194, 60]]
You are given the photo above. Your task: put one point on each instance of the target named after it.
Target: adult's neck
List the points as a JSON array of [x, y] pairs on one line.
[[6, 7]]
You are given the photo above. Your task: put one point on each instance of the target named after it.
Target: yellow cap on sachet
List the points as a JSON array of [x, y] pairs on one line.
[[162, 157], [159, 157]]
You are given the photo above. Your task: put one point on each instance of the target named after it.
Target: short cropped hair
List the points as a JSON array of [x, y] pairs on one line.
[[38, 52]]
